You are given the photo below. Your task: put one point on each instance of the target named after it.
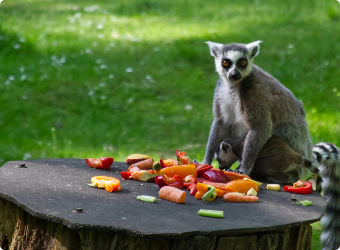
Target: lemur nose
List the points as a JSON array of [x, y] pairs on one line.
[[234, 75]]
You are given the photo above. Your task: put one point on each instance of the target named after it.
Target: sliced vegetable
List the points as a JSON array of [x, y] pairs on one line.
[[157, 167], [110, 184], [163, 180], [146, 198], [210, 195], [235, 176], [166, 163], [242, 186], [144, 164], [252, 192], [203, 189], [172, 194], [221, 186], [188, 180], [182, 157], [256, 182], [215, 176], [202, 168], [182, 171], [274, 187], [300, 187], [306, 203], [210, 213], [239, 198], [134, 158], [193, 189], [143, 175], [126, 175], [101, 163]]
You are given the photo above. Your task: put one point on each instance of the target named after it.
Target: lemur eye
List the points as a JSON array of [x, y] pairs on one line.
[[225, 63], [244, 63]]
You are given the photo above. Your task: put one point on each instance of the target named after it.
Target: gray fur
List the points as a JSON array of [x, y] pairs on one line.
[[276, 161], [256, 106]]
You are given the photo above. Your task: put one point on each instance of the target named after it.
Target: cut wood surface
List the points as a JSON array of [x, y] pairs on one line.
[[20, 230]]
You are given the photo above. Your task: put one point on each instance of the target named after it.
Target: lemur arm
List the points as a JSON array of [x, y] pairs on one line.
[[258, 116]]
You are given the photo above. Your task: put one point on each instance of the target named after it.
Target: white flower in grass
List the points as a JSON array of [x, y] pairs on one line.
[[27, 156], [23, 77], [88, 51], [100, 26], [129, 70], [1, 1], [188, 107], [111, 76]]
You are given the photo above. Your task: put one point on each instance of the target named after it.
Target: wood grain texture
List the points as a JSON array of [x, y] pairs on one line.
[[20, 230]]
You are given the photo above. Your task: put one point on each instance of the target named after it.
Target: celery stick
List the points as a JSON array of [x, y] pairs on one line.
[[210, 213], [306, 203], [146, 198]]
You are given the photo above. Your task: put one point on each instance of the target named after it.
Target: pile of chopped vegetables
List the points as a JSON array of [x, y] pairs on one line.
[[172, 175]]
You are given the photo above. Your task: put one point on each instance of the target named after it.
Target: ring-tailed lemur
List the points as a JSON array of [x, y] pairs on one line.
[[250, 103]]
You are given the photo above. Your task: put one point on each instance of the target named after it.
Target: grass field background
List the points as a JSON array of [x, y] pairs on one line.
[[110, 78]]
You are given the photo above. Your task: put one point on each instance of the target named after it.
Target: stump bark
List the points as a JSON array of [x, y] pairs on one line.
[[20, 230]]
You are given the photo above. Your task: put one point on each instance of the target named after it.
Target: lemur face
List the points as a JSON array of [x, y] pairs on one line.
[[234, 61]]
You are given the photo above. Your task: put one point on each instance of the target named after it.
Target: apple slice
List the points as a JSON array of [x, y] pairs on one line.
[[134, 158]]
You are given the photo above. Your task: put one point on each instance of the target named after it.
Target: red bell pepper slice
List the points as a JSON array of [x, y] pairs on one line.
[[101, 163], [300, 187], [163, 180], [202, 168], [192, 188], [188, 180], [126, 175]]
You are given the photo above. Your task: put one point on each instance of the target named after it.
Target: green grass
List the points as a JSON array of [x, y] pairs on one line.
[[66, 90]]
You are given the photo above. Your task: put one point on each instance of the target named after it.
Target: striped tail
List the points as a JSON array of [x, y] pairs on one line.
[[328, 156]]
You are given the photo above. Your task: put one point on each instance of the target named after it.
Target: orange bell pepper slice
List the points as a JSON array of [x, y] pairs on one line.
[[242, 186], [110, 184], [182, 171]]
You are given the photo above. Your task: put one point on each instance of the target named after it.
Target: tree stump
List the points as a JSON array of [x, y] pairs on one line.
[[20, 230]]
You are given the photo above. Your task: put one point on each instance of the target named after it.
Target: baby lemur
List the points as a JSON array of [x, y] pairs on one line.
[[276, 161], [249, 103]]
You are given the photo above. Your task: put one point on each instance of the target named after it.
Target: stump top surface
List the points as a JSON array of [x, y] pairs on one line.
[[53, 188]]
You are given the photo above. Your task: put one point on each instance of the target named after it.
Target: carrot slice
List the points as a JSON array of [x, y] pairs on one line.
[[240, 198], [235, 176], [145, 164], [172, 194]]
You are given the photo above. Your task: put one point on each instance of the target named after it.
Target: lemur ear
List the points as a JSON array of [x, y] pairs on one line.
[[215, 48], [254, 48]]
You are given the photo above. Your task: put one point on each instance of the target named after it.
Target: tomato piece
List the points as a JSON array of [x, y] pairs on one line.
[[188, 180], [102, 163]]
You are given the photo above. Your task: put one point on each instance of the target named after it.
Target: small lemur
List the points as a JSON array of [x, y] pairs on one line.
[[276, 161], [251, 104]]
